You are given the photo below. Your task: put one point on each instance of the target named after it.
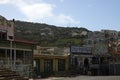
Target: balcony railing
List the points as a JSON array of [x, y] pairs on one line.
[[94, 66], [23, 69]]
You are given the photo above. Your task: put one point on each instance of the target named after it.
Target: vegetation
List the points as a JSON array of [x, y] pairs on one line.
[[49, 35]]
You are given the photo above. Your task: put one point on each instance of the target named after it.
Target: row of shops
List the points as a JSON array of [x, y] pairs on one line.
[[22, 59], [94, 64], [51, 65], [81, 60]]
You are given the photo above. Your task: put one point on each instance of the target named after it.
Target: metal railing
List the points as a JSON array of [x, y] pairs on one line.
[[22, 69]]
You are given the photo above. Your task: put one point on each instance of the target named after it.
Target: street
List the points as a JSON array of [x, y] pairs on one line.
[[84, 78]]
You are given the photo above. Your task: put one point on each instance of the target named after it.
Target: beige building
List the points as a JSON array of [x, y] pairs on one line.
[[50, 61]]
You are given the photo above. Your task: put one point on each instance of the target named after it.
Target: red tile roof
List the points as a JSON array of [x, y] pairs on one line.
[[25, 41]]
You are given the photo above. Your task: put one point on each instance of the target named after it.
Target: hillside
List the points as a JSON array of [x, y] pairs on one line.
[[50, 35]]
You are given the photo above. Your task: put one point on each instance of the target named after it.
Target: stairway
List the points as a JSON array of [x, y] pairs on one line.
[[7, 74]]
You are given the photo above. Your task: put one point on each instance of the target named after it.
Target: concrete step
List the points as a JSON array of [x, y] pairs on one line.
[[7, 74]]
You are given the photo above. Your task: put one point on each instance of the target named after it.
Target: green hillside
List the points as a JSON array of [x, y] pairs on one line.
[[49, 35]]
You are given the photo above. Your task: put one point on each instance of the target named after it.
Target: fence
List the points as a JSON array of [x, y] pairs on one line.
[[23, 69], [114, 69]]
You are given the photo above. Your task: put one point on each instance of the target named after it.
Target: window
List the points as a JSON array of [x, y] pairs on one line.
[[61, 65], [2, 52], [10, 37], [48, 65], [89, 42], [3, 36], [95, 60]]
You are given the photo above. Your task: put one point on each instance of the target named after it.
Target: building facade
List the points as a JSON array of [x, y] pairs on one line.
[[15, 54], [99, 59], [6, 29], [48, 62], [80, 59]]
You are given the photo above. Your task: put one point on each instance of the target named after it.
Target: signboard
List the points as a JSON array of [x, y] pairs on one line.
[[81, 49]]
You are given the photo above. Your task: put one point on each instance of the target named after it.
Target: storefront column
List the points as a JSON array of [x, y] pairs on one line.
[[42, 65], [55, 64], [24, 61], [66, 63], [11, 54], [6, 54], [14, 58]]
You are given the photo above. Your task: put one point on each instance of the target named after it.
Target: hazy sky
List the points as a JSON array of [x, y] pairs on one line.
[[91, 14]]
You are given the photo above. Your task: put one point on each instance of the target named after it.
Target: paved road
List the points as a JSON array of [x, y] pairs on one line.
[[85, 78]]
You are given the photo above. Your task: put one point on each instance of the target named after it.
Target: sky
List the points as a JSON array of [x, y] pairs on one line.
[[91, 14]]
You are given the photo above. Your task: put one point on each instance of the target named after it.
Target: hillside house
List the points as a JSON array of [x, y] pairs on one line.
[[110, 34]]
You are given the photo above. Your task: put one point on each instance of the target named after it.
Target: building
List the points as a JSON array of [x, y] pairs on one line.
[[118, 34], [114, 50], [80, 59], [94, 37], [99, 58], [110, 35], [50, 61], [6, 29], [97, 41], [15, 54]]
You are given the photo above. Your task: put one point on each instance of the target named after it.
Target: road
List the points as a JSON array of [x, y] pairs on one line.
[[84, 78]]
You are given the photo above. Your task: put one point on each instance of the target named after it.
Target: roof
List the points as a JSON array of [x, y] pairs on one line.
[[24, 41]]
